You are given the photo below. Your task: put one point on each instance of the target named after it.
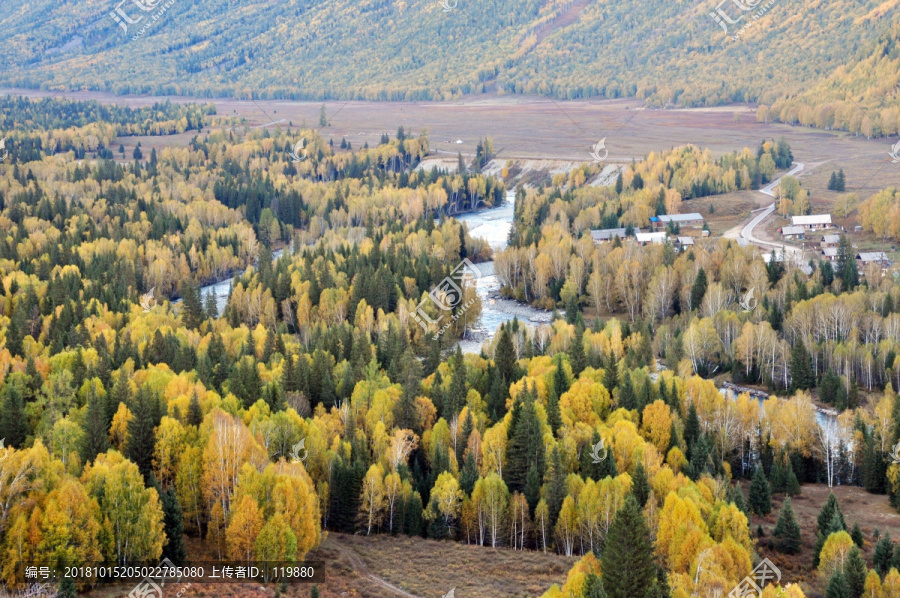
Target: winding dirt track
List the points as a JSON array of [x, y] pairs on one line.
[[360, 567]]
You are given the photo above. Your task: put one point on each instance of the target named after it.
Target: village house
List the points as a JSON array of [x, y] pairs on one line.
[[830, 241], [830, 253], [606, 235], [878, 257], [693, 219], [793, 232], [657, 238], [685, 243], [813, 221]]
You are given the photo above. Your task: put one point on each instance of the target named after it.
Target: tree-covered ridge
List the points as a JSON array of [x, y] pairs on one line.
[[667, 53], [860, 96], [162, 118]]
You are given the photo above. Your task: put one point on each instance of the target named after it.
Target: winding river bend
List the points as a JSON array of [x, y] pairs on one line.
[[493, 225]]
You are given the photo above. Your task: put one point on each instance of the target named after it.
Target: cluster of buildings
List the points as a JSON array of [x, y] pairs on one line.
[[801, 225], [654, 235]]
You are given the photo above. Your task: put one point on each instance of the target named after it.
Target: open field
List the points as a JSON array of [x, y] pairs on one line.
[[871, 511]]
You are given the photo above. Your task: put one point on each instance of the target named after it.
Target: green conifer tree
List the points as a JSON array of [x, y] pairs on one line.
[[760, 494], [787, 530]]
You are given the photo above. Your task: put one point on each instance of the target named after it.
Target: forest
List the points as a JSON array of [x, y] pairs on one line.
[[834, 66], [134, 422]]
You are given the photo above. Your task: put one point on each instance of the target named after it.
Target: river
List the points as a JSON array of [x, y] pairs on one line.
[[492, 225]]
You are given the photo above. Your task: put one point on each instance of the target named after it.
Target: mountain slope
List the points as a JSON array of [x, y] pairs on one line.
[[667, 52]]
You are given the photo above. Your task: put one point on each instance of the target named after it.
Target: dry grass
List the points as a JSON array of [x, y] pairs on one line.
[[871, 511]]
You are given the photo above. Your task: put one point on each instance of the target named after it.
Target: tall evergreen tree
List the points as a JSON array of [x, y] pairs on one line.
[[698, 290], [525, 443], [640, 486], [505, 357], [629, 570], [884, 554], [173, 520], [855, 572], [13, 423], [627, 396], [847, 269], [140, 442], [195, 413], [802, 375], [96, 434], [191, 308], [577, 357], [837, 586], [760, 494], [787, 530], [556, 485]]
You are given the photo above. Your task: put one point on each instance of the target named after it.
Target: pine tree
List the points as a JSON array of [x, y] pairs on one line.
[[847, 269], [802, 375], [556, 485], [698, 290], [532, 490], [629, 570], [505, 357], [455, 398], [627, 396], [174, 527], [577, 358], [837, 586], [195, 413], [525, 445], [141, 439], [760, 494], [191, 310], [640, 486], [787, 530], [857, 535], [830, 509], [593, 587], [884, 554], [468, 475], [691, 430], [737, 497], [855, 573], [13, 424], [96, 433], [405, 411]]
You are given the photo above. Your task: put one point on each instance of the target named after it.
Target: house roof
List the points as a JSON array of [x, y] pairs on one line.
[[811, 219], [680, 217], [606, 234], [793, 230], [651, 237], [830, 252], [872, 256], [831, 239], [685, 240]]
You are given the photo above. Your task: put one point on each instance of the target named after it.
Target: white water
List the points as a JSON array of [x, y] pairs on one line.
[[493, 225]]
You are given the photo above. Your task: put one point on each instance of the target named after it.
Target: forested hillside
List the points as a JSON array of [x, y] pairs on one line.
[[672, 53]]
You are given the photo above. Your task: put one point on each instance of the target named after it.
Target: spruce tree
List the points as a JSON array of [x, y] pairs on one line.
[[174, 527], [505, 357], [13, 423], [640, 486], [629, 570], [855, 573], [627, 396], [698, 290], [96, 434], [195, 413], [577, 358], [787, 530], [593, 587], [802, 376], [884, 554], [760, 494], [192, 310], [141, 439], [468, 475], [857, 535], [555, 485], [837, 586], [792, 486], [827, 514], [691, 430]]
